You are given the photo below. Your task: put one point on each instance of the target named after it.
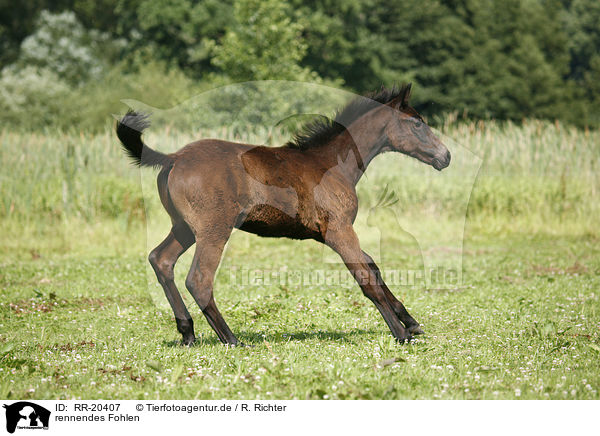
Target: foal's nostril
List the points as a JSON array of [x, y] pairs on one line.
[[448, 156]]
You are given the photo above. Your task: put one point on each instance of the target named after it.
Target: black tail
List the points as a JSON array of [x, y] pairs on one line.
[[129, 131]]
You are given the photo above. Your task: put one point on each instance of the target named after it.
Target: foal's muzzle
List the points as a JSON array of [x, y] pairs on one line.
[[441, 162]]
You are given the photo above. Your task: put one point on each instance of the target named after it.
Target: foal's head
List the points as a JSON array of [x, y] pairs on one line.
[[407, 133]]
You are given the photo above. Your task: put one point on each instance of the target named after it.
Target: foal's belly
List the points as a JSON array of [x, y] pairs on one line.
[[269, 221]]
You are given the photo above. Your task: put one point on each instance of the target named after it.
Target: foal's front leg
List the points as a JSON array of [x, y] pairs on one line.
[[409, 322], [345, 242]]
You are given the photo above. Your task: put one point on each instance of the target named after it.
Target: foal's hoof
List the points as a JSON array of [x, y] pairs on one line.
[[242, 345], [416, 330], [404, 340], [188, 342]]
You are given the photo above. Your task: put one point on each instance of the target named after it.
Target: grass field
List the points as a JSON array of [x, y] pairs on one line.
[[81, 316]]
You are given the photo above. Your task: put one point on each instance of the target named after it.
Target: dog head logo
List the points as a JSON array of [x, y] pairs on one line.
[[26, 415]]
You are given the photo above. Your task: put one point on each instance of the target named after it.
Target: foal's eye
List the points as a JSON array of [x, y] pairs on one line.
[[418, 124]]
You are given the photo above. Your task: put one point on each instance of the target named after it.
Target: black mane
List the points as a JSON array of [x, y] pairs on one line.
[[323, 129]]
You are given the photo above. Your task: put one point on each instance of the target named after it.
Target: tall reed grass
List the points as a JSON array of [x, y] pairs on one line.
[[538, 170]]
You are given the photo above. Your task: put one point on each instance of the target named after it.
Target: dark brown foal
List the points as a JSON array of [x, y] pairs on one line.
[[302, 190]]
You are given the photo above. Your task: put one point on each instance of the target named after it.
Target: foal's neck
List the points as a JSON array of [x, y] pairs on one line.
[[351, 151]]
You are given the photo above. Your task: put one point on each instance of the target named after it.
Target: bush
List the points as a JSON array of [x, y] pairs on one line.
[[31, 98], [62, 45], [36, 98]]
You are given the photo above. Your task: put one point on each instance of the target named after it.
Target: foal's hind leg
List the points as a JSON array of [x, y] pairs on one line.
[[409, 322], [210, 243], [163, 259]]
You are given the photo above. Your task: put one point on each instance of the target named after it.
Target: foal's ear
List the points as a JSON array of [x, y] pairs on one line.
[[401, 101]]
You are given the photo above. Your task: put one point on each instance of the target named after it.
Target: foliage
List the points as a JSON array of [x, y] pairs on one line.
[[181, 32], [584, 47], [62, 45], [262, 43], [497, 59], [31, 97], [34, 98], [487, 58]]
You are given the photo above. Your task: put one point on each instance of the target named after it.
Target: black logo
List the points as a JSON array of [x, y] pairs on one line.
[[26, 415]]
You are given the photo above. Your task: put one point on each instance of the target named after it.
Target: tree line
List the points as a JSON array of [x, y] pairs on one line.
[[501, 59]]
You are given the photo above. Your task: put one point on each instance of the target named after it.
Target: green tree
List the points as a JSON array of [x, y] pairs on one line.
[[181, 32], [19, 21], [31, 98], [491, 58], [62, 45], [346, 40], [581, 22], [263, 42], [520, 56]]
